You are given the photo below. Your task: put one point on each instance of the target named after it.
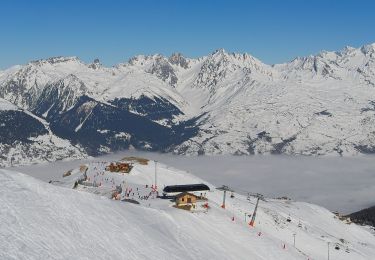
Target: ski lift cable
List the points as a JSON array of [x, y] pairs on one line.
[[253, 194]]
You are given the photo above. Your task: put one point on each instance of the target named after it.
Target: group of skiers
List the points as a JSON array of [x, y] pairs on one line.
[[98, 178]]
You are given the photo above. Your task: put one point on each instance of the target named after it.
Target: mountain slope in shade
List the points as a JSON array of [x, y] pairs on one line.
[[364, 217], [25, 138], [222, 103]]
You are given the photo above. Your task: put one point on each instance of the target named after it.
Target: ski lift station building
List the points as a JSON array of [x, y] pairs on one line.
[[175, 189]]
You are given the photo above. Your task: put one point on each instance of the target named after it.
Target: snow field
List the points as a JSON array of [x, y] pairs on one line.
[[48, 221]]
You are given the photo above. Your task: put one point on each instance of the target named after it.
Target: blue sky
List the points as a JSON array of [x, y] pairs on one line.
[[113, 31]]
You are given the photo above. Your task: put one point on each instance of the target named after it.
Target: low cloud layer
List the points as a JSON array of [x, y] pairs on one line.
[[345, 184]]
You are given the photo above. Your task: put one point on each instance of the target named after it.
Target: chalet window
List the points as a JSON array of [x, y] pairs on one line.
[[182, 199]]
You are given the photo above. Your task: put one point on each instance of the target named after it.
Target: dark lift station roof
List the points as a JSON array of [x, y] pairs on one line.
[[185, 188]]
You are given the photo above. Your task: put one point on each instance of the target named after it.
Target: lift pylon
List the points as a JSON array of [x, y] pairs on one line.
[[224, 188], [259, 197]]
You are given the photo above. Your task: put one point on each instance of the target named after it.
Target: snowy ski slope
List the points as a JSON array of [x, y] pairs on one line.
[[44, 221]]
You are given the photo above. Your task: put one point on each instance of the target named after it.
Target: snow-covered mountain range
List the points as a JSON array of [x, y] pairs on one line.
[[223, 103]]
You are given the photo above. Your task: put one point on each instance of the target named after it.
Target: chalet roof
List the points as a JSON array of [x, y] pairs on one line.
[[185, 193], [185, 188]]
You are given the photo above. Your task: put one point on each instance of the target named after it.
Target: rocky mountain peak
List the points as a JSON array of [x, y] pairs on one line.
[[346, 50], [145, 60], [221, 64], [219, 52], [96, 64], [71, 79], [368, 49], [219, 56], [179, 59], [55, 60], [163, 69]]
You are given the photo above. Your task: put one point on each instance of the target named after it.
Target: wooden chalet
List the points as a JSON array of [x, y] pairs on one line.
[[119, 167], [186, 200]]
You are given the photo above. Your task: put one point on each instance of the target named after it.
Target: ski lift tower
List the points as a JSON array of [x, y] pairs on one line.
[[156, 175], [259, 197], [224, 188]]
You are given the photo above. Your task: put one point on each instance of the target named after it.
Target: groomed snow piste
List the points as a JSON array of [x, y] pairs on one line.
[[39, 220]]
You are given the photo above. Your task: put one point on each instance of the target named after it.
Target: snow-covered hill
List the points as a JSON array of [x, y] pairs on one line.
[[222, 103], [41, 220]]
